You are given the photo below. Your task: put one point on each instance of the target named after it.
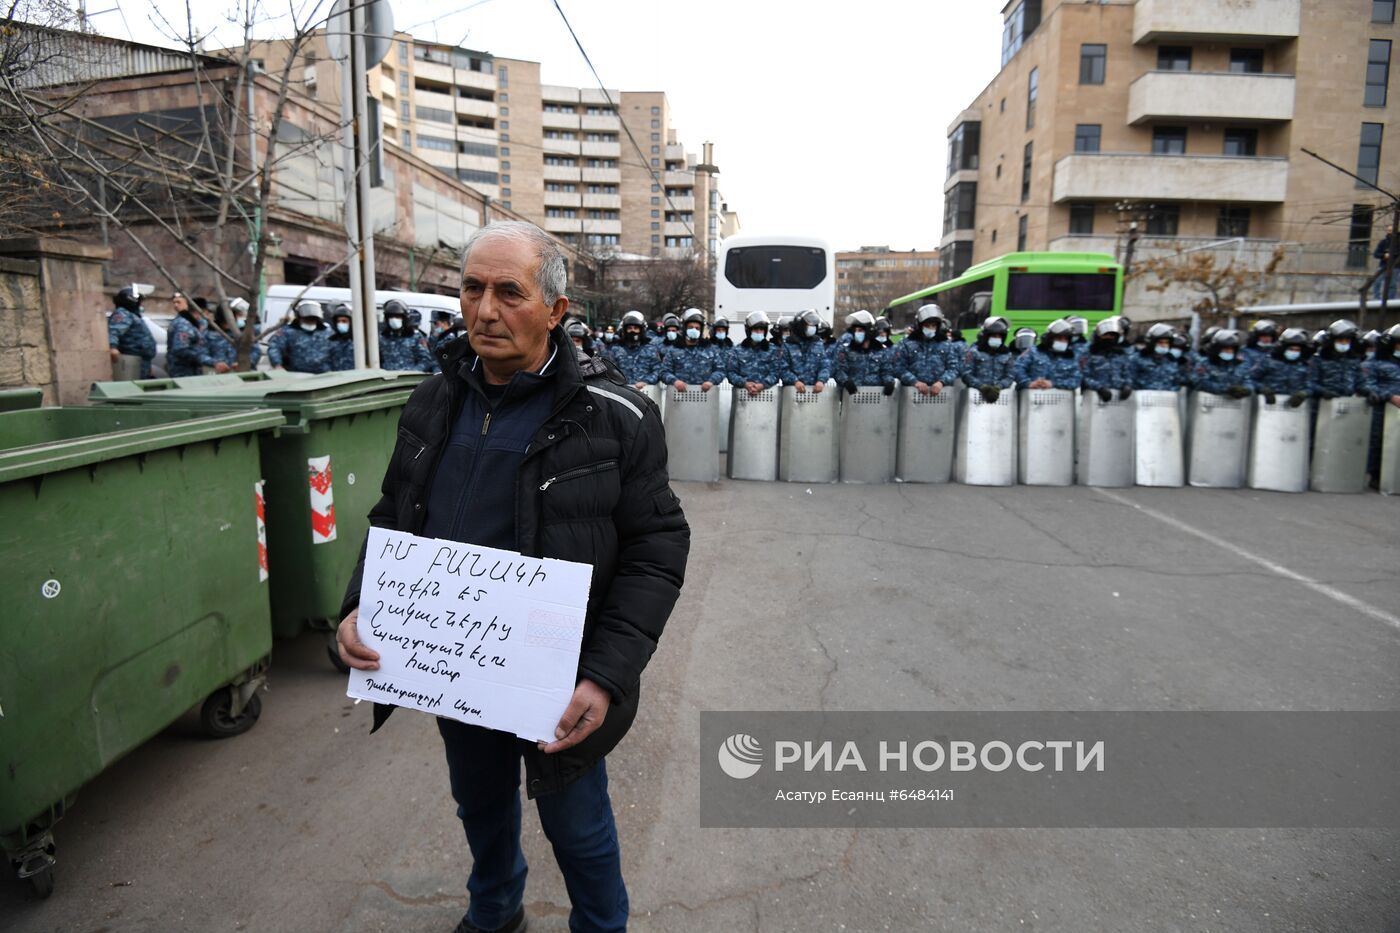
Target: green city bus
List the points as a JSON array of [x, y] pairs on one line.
[[1028, 289]]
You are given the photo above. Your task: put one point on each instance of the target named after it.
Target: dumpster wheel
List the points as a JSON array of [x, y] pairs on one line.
[[217, 719], [41, 882], [333, 651], [34, 865]]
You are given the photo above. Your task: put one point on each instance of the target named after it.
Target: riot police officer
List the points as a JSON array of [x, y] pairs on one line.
[[1106, 366], [926, 359], [302, 345], [1285, 370], [804, 361], [634, 353], [754, 363], [187, 350], [862, 319], [1336, 367], [127, 333], [1220, 370], [1079, 336], [988, 364], [1050, 364], [341, 339], [719, 339], [577, 331], [402, 347], [692, 359], [1154, 368], [1380, 380], [440, 331], [857, 361], [1262, 335]]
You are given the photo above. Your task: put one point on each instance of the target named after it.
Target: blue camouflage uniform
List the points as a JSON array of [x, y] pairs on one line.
[[692, 365], [1334, 375], [299, 351], [749, 363], [639, 362], [1062, 369], [187, 349], [405, 349], [1106, 368], [1217, 377], [128, 334], [224, 350], [986, 367], [1253, 356], [724, 349], [803, 360], [1275, 374], [342, 352], [1380, 380], [1079, 347], [863, 367], [1154, 373], [918, 359]]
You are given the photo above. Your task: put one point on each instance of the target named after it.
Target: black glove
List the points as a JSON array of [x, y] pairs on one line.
[[990, 393], [1270, 397], [1125, 393], [1296, 399], [889, 387], [1329, 395], [1375, 400], [850, 386], [1237, 392], [1105, 395]]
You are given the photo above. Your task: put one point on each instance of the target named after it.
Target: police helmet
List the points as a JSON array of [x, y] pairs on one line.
[[1078, 325], [1180, 340], [882, 324], [719, 323], [1208, 334], [342, 310], [1263, 328], [442, 315], [1342, 328], [807, 318], [931, 312], [238, 305], [756, 319], [1159, 331], [995, 325], [1393, 333], [1059, 328], [1318, 337], [415, 317], [1025, 338], [694, 314], [128, 299], [861, 317], [670, 319], [576, 329], [1370, 337], [634, 318], [1109, 327], [395, 307], [310, 309], [823, 331], [1224, 338]]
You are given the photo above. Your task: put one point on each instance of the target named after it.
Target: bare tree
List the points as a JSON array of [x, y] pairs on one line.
[[1220, 290]]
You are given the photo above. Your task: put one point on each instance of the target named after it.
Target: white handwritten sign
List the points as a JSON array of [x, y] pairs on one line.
[[486, 636]]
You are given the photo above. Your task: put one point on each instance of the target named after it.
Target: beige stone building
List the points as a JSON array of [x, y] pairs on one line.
[[872, 276], [1189, 119], [560, 156]]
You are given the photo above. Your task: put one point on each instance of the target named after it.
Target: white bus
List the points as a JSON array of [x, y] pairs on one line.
[[778, 275]]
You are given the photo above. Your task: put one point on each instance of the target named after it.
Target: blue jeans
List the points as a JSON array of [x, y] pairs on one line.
[[1378, 286], [484, 768]]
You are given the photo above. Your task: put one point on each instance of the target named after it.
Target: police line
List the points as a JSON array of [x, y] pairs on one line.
[[1050, 437]]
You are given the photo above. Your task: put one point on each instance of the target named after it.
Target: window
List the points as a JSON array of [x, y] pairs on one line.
[[1163, 220], [505, 150], [1359, 240], [434, 115], [655, 163], [655, 202], [1247, 61], [1232, 222], [655, 150], [407, 139], [656, 124], [603, 239], [505, 179], [505, 111], [655, 225], [1241, 142], [505, 165], [560, 187], [1174, 58], [436, 142], [1026, 173], [1169, 140], [601, 163], [1093, 57], [501, 69], [1382, 11], [963, 146], [403, 53], [505, 192], [403, 110], [954, 260], [595, 213], [1032, 89], [1061, 291], [565, 161], [1081, 219], [1087, 136], [960, 207], [1020, 23], [1377, 72], [655, 111], [1021, 226], [504, 97], [793, 267], [567, 213], [1368, 159], [505, 124], [679, 242]]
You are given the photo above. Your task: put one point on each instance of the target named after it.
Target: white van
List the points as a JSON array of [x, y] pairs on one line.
[[280, 298]]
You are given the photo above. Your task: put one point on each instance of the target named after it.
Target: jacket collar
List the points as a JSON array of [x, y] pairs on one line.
[[566, 365]]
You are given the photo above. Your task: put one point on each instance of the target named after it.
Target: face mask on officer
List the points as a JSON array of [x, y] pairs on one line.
[[394, 322], [342, 327], [1227, 355], [930, 332], [1342, 346], [1060, 346], [308, 325], [692, 333], [758, 336], [994, 342], [241, 322], [1292, 355], [634, 333], [882, 338], [1370, 354], [721, 334], [1176, 352], [1162, 349], [858, 336], [670, 334], [811, 330], [1265, 342]]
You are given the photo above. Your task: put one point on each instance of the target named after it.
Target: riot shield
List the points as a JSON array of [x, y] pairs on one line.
[[692, 434], [753, 434], [927, 429], [986, 449], [808, 438], [1219, 441], [869, 420], [1340, 442], [1278, 447]]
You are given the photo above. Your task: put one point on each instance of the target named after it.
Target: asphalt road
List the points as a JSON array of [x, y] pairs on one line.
[[891, 597]]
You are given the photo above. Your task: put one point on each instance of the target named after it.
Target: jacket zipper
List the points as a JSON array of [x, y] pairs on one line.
[[413, 440], [577, 472]]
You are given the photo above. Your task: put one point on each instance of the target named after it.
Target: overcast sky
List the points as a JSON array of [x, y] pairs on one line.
[[826, 119]]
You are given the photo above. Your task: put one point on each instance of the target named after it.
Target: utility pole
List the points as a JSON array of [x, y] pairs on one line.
[[1391, 242]]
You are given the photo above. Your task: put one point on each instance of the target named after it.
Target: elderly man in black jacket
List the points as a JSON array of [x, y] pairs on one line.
[[524, 444]]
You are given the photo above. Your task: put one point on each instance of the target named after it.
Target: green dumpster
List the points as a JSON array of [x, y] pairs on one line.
[[129, 562], [323, 472], [19, 399]]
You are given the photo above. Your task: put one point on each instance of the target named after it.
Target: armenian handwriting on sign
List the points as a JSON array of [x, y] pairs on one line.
[[486, 636]]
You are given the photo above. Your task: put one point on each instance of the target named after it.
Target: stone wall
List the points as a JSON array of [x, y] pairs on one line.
[[24, 338]]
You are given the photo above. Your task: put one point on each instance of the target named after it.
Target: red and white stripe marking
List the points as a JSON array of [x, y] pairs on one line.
[[262, 530], [322, 499]]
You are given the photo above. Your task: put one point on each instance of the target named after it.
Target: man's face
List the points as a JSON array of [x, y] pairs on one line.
[[508, 322], [179, 304]]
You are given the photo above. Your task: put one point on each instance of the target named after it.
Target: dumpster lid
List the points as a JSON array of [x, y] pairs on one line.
[[183, 427], [281, 391]]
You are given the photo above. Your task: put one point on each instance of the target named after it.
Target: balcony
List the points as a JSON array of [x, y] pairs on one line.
[[602, 226], [675, 153], [560, 146], [673, 228], [674, 179], [608, 124], [613, 201], [476, 108], [681, 204], [963, 176], [1188, 95], [561, 199], [608, 176], [1212, 20], [596, 96], [562, 224], [561, 173], [1109, 176], [603, 150], [551, 120], [432, 99]]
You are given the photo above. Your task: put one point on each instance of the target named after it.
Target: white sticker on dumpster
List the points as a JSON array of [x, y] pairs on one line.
[[318, 476], [481, 635]]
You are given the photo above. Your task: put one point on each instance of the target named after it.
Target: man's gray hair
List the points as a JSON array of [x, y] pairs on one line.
[[552, 275]]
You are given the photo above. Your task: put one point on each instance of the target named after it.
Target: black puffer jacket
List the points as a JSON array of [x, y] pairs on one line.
[[606, 501]]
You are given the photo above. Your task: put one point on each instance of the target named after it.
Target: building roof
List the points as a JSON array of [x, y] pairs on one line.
[[60, 56]]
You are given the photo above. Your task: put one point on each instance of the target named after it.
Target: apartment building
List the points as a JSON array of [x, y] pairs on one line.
[[873, 276], [561, 156], [1187, 118]]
